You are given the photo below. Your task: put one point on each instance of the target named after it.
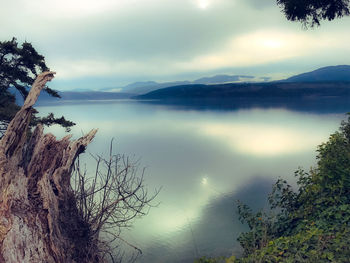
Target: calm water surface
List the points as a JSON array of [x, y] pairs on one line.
[[204, 161]]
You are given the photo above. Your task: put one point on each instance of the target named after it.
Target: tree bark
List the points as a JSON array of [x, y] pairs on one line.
[[39, 221]]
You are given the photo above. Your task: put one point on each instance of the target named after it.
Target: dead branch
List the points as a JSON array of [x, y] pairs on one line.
[[111, 198], [39, 221]]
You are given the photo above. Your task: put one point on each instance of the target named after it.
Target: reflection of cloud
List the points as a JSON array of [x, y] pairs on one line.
[[171, 219], [177, 159], [244, 133], [204, 181], [260, 139], [216, 230]]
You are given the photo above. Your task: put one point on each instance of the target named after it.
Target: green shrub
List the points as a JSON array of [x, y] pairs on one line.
[[311, 224]]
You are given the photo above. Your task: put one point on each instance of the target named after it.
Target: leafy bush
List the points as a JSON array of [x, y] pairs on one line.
[[311, 224]]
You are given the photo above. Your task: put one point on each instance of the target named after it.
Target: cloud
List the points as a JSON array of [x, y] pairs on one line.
[[167, 31], [260, 4], [157, 39], [246, 50], [262, 47]]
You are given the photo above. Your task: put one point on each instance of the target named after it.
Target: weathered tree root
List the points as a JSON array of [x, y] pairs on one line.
[[38, 218]]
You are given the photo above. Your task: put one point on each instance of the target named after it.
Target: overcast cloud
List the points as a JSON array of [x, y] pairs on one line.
[[99, 43]]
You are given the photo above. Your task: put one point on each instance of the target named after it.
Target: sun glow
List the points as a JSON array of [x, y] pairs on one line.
[[272, 43], [203, 4]]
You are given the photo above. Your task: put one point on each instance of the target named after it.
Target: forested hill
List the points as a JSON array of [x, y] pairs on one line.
[[331, 73], [252, 90], [326, 81]]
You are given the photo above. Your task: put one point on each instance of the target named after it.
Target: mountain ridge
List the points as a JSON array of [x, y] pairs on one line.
[[142, 87], [323, 74], [330, 73], [326, 81], [251, 90]]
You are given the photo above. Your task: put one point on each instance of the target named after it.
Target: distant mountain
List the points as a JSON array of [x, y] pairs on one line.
[[332, 73], [327, 81], [326, 74], [75, 95], [94, 95], [331, 81], [251, 90], [148, 86], [218, 79]]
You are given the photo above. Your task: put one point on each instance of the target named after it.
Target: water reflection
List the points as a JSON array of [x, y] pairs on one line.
[[216, 230], [262, 139], [204, 181], [203, 160]]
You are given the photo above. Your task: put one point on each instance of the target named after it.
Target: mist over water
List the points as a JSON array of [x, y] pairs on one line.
[[204, 160]]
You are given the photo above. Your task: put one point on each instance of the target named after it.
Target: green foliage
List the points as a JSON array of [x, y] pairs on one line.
[[311, 224], [311, 12], [8, 109], [19, 67], [7, 106], [310, 245], [51, 120]]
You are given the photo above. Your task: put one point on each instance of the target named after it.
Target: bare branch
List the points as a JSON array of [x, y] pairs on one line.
[[111, 198]]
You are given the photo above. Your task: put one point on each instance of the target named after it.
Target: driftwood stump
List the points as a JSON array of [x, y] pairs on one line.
[[38, 216]]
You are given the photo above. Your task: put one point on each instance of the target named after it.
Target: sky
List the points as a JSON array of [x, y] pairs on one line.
[[97, 44]]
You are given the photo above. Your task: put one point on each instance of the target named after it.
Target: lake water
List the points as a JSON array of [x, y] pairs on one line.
[[204, 160]]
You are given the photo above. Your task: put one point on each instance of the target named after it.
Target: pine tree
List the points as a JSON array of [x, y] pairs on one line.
[[311, 12], [19, 67]]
